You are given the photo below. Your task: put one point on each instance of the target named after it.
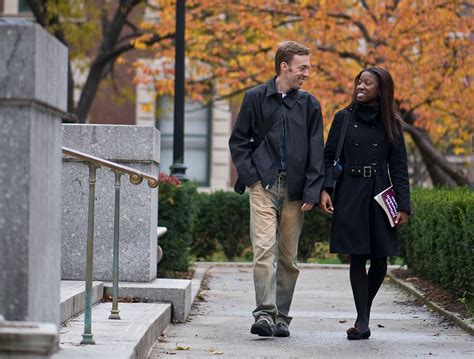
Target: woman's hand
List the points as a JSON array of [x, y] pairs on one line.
[[307, 206], [402, 218], [325, 202]]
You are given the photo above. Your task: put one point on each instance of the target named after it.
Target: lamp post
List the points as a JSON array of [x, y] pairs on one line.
[[178, 169]]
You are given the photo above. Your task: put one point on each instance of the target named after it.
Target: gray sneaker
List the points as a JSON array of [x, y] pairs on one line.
[[262, 327], [281, 330]]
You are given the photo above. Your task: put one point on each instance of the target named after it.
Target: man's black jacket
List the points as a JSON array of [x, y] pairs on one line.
[[303, 142]]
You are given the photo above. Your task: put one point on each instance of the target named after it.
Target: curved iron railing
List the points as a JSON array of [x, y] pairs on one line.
[[136, 177]]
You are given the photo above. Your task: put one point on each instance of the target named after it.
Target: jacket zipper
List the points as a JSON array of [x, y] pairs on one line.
[[284, 140], [286, 158]]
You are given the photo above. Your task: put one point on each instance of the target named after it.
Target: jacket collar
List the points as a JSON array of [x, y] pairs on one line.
[[271, 87], [290, 97]]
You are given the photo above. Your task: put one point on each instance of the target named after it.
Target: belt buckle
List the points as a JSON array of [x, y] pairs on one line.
[[367, 171]]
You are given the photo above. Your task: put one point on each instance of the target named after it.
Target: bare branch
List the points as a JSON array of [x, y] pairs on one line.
[[131, 25], [366, 7], [394, 5], [343, 54], [265, 9], [362, 28], [113, 54], [129, 37], [234, 93]]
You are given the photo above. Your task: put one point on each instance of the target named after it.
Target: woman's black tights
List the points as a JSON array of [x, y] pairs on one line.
[[366, 285]]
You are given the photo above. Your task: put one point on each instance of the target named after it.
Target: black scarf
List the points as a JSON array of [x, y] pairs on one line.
[[366, 113]]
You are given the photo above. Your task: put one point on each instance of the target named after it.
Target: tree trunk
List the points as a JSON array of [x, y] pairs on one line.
[[111, 33], [39, 11], [70, 88], [441, 171], [89, 91]]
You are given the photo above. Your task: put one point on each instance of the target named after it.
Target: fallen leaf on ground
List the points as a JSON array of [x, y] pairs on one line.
[[216, 352], [342, 321], [178, 347]]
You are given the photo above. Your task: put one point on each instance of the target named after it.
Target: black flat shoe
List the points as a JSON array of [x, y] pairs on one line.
[[354, 334]]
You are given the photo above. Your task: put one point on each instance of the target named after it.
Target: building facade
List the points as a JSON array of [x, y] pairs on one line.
[[207, 127]]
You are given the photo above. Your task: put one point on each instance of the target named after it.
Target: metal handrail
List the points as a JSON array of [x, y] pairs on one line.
[[136, 177]]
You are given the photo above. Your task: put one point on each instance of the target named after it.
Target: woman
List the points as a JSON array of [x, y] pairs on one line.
[[373, 155]]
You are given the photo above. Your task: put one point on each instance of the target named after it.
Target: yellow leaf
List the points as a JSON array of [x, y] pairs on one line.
[[178, 347], [216, 352]]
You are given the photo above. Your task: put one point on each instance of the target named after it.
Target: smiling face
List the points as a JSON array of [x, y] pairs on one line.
[[367, 89], [296, 72]]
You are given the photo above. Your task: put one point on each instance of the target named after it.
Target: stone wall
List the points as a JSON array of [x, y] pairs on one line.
[[134, 146]]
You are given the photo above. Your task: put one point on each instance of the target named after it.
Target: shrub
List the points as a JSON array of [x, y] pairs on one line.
[[176, 210], [222, 222], [438, 242], [316, 229], [203, 224]]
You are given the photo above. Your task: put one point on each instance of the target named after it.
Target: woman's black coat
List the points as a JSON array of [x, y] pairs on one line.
[[359, 225]]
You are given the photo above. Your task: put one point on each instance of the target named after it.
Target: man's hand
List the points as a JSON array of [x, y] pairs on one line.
[[325, 202], [307, 207], [402, 218]]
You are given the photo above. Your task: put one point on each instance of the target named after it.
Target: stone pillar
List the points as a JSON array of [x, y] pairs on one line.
[[220, 154], [134, 146], [33, 96]]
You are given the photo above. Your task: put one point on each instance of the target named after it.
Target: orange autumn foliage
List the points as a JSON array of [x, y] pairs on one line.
[[424, 44]]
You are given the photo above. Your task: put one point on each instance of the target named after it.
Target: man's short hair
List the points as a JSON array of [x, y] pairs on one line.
[[286, 51]]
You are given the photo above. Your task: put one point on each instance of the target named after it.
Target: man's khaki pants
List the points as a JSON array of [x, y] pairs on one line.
[[275, 228]]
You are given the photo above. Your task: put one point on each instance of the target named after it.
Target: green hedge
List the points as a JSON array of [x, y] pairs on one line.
[[176, 211], [203, 224], [222, 223], [316, 229], [438, 242]]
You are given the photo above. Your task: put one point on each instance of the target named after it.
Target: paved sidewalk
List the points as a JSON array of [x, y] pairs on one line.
[[322, 310]]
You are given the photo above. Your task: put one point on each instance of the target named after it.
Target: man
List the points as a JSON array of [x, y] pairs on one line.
[[277, 147]]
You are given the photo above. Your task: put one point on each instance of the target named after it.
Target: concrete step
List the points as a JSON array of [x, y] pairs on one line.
[[73, 295], [159, 290], [130, 337], [27, 339]]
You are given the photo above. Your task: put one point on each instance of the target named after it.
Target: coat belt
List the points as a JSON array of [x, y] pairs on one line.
[[363, 171]]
